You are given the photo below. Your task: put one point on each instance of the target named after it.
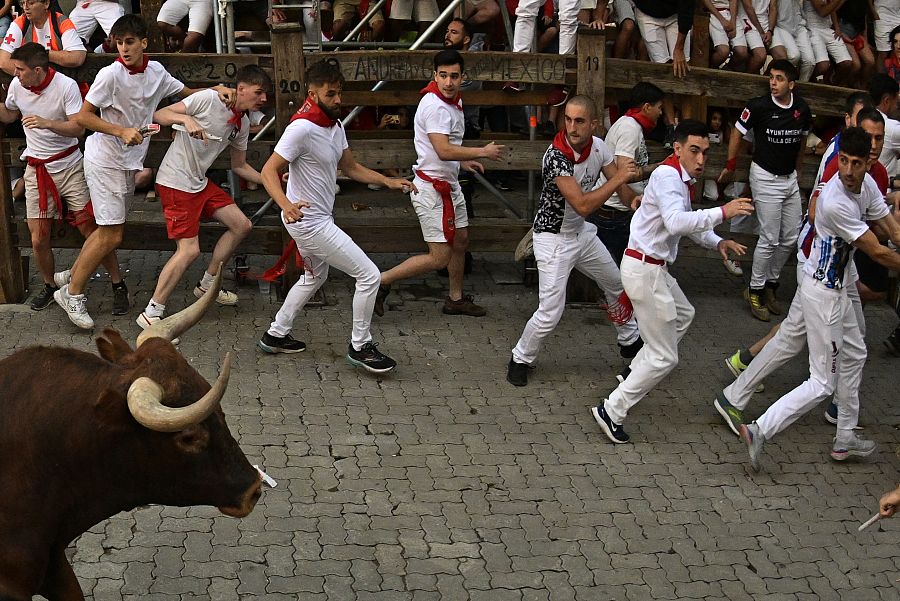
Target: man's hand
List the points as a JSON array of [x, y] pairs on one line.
[[679, 63], [889, 502], [636, 202], [131, 136], [293, 214], [729, 27], [726, 177], [193, 128], [627, 172], [893, 199], [731, 245], [226, 95], [767, 38], [492, 152], [35, 122], [472, 166], [599, 24], [398, 183], [738, 206]]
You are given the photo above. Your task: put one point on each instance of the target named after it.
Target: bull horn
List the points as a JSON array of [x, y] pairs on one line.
[[175, 325], [145, 403]]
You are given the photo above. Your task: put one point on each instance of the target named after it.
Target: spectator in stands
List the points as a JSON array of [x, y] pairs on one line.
[[824, 35], [884, 90], [790, 38], [199, 14], [628, 40], [6, 15], [52, 30], [726, 36], [892, 60], [756, 19], [86, 16], [526, 15], [480, 14], [665, 27], [403, 12], [347, 13], [886, 19], [852, 17]]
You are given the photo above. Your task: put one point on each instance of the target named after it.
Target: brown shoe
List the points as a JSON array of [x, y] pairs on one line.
[[757, 306], [464, 306], [772, 303]]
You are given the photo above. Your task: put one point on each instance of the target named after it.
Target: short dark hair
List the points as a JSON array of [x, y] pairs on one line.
[[129, 24], [786, 67], [892, 35], [446, 58], [645, 93], [868, 114], [32, 54], [324, 71], [690, 127], [467, 29], [586, 102], [882, 85], [855, 98], [254, 75], [856, 142]]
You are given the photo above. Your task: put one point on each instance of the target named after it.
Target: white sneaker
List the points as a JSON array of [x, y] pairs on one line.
[[733, 267], [75, 307], [144, 321], [61, 278], [225, 297]]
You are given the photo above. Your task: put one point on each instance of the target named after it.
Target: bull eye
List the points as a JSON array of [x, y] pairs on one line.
[[192, 440]]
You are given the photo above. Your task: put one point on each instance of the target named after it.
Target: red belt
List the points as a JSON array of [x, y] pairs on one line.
[[45, 183], [448, 216], [635, 254]]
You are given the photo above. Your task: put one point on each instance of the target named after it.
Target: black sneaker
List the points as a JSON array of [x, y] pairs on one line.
[[517, 373], [121, 302], [43, 298], [613, 431], [628, 351], [274, 344], [370, 358], [623, 375], [383, 292]]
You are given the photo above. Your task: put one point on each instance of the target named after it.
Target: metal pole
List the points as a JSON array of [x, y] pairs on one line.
[[218, 25], [356, 44], [229, 27], [258, 136], [504, 13], [362, 22], [415, 46], [493, 190]]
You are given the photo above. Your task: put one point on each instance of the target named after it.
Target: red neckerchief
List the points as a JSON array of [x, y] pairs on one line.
[[236, 117], [134, 70], [561, 143], [43, 85], [646, 124], [434, 89], [311, 111], [672, 161]]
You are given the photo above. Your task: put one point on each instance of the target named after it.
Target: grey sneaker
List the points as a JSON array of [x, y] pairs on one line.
[[733, 416], [755, 441], [225, 297], [852, 446], [75, 307]]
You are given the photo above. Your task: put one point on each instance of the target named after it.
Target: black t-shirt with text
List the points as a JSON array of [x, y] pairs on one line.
[[778, 132]]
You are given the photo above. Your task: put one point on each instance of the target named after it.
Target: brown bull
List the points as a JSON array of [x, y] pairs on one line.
[[84, 437]]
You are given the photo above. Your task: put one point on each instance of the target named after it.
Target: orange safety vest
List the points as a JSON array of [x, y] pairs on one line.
[[58, 24]]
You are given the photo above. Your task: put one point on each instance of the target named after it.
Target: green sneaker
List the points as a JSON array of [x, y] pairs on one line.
[[733, 416], [736, 366]]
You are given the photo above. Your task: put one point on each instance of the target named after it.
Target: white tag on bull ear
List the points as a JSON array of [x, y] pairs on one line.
[[266, 478]]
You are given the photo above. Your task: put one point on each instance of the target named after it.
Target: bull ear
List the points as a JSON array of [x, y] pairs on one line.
[[193, 439], [112, 346], [111, 410]]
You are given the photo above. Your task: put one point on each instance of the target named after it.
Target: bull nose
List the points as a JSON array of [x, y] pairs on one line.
[[247, 502]]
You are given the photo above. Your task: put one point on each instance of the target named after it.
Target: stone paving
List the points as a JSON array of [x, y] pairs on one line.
[[442, 481]]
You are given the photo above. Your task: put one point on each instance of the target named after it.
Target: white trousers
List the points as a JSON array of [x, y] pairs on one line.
[[556, 256], [777, 202], [664, 314], [837, 353], [798, 48], [660, 36], [526, 15], [326, 246], [85, 16]]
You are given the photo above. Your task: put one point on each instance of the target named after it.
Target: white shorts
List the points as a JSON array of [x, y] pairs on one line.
[[624, 10], [112, 191], [883, 28], [660, 36], [719, 37], [87, 15], [825, 43], [70, 184], [588, 4], [199, 13], [430, 208], [751, 34], [425, 11]]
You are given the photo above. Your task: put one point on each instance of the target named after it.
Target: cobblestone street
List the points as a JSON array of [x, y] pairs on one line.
[[441, 481]]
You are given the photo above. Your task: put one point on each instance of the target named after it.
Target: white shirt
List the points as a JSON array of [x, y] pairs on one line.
[[841, 220], [57, 101], [665, 216], [187, 159], [761, 8], [313, 153], [130, 101], [43, 35], [626, 139], [888, 10], [813, 19], [434, 116], [790, 16], [891, 151]]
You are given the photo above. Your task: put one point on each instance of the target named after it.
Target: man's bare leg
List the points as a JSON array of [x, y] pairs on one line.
[[438, 257], [40, 243], [457, 264], [102, 241]]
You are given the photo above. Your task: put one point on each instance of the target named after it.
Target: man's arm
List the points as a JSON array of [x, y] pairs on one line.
[[271, 181], [226, 94], [177, 113], [586, 203], [69, 128], [451, 152], [6, 62], [361, 173], [754, 18], [6, 115], [868, 243], [68, 58], [735, 143], [242, 168], [826, 8], [89, 119], [626, 166]]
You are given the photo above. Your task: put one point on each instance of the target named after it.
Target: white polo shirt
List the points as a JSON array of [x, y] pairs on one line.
[[57, 101], [665, 216], [434, 116], [187, 159], [626, 139], [128, 100], [313, 153]]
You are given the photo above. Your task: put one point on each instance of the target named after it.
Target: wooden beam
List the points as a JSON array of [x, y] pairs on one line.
[[289, 69], [12, 281], [591, 52]]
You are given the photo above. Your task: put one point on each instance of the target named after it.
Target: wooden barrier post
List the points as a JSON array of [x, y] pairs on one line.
[[12, 280], [150, 10], [591, 70]]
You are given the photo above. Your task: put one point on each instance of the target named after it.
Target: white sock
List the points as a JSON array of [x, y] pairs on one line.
[[207, 280], [155, 309]]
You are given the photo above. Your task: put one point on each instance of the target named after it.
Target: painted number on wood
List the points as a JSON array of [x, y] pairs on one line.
[[592, 63], [292, 86]]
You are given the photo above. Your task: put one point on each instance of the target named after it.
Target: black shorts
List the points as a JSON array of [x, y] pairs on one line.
[[872, 274]]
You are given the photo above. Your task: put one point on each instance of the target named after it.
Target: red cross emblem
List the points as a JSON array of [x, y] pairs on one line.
[[9, 39]]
